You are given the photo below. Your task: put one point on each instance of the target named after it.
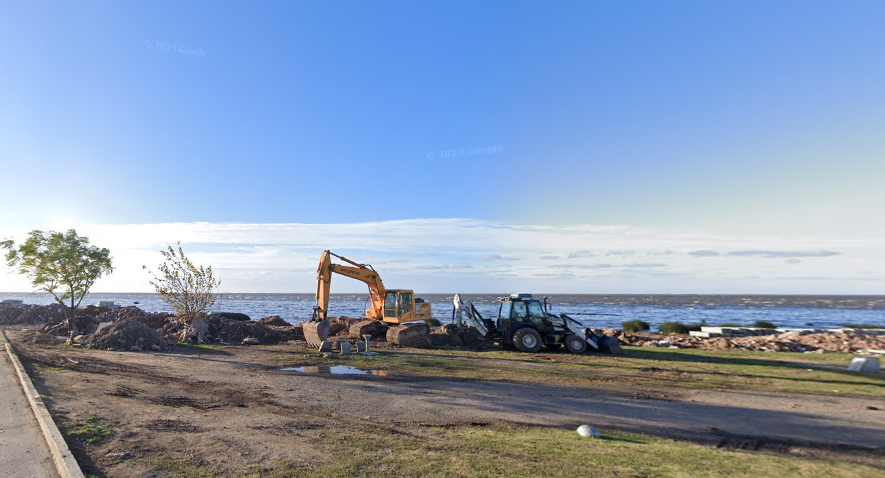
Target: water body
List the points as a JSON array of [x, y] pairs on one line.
[[333, 370], [594, 310]]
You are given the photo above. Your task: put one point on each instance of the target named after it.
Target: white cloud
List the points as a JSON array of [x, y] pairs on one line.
[[457, 253]]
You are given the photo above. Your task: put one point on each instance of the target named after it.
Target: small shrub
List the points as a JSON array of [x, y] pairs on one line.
[[633, 326], [696, 327], [188, 289], [764, 324], [673, 328]]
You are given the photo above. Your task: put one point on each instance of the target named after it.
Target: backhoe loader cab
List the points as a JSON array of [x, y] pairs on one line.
[[523, 322]]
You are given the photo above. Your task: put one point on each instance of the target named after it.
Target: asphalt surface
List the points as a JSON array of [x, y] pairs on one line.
[[23, 450]]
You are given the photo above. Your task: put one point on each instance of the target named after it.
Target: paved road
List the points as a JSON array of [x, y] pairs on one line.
[[23, 450]]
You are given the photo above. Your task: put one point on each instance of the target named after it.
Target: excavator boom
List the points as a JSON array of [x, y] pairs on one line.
[[360, 272]]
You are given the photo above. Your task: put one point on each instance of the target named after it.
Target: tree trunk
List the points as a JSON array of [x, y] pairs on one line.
[[69, 316], [70, 330]]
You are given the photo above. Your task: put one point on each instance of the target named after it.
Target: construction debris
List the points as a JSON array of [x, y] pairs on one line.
[[449, 335], [774, 341], [212, 329], [128, 335]]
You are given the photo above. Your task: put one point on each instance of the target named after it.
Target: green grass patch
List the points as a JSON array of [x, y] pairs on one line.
[[511, 450], [764, 324], [206, 347], [91, 430], [662, 368], [863, 326], [180, 468]]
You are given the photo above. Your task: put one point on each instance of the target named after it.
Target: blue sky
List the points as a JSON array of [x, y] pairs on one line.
[[741, 122]]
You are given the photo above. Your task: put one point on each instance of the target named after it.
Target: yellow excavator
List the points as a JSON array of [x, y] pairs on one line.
[[394, 312]]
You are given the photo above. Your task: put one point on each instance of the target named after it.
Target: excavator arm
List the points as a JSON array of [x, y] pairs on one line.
[[360, 272]]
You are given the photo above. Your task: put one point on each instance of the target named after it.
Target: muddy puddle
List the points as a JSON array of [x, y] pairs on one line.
[[334, 370]]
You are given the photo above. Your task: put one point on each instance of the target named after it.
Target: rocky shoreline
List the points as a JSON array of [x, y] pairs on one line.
[[770, 340], [130, 328]]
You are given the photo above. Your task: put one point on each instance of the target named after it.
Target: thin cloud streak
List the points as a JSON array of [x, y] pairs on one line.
[[482, 255]]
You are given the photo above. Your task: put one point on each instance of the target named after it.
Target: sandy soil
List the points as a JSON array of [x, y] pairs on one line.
[[230, 409]]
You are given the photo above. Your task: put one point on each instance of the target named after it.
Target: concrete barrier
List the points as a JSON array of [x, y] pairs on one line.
[[61, 455]]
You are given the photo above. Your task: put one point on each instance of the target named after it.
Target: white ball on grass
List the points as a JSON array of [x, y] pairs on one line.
[[587, 431]]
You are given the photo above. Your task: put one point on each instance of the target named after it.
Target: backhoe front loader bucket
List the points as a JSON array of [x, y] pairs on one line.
[[316, 332]]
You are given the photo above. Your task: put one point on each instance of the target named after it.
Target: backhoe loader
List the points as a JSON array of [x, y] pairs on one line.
[[524, 323], [391, 312]]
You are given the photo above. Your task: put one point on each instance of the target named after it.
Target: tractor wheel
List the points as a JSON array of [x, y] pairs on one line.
[[575, 344], [527, 339]]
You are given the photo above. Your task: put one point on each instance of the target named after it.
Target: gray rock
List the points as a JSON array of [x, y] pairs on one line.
[[197, 331], [865, 364], [251, 341]]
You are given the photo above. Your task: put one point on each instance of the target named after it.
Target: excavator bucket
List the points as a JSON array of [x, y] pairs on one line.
[[316, 332]]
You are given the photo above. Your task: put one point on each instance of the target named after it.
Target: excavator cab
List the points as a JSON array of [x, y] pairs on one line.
[[400, 306]]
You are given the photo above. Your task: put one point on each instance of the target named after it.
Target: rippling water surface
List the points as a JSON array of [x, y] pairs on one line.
[[595, 310]]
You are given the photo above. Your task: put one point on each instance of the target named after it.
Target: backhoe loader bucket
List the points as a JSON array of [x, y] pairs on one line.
[[610, 344], [316, 332]]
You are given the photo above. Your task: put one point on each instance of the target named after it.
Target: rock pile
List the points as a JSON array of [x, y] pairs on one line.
[[449, 335], [275, 320], [791, 341], [31, 314], [213, 329], [127, 335]]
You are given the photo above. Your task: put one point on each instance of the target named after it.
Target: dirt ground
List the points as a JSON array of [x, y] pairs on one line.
[[233, 409]]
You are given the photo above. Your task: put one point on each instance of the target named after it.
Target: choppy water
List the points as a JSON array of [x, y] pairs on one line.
[[592, 309]]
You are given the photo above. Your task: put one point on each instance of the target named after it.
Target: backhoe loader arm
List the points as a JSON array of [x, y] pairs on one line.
[[360, 272]]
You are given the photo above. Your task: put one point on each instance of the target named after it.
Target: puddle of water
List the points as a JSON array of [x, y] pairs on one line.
[[334, 370]]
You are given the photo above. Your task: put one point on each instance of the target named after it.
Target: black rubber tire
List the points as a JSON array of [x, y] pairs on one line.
[[575, 344], [527, 339]]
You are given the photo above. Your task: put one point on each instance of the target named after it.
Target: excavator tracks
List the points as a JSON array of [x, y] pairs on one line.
[[367, 327], [409, 335]]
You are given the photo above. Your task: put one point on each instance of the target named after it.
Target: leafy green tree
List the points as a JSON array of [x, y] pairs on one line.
[[188, 289], [62, 264]]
